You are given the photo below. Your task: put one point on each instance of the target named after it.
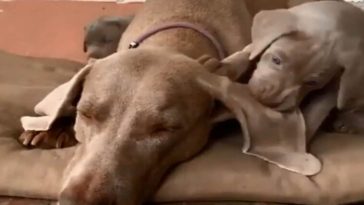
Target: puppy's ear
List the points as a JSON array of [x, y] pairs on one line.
[[61, 102], [268, 26]]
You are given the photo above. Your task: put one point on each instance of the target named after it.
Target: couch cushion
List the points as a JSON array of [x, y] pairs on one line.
[[23, 82], [222, 172]]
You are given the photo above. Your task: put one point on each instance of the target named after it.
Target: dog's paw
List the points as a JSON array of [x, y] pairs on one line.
[[58, 137]]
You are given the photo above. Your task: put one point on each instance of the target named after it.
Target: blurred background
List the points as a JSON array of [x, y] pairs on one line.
[[53, 29]]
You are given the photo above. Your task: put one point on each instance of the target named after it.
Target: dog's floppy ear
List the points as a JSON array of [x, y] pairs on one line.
[[61, 102], [233, 67], [268, 26], [286, 144], [220, 113]]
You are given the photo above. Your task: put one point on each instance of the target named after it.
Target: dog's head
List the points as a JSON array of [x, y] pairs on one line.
[[138, 113]]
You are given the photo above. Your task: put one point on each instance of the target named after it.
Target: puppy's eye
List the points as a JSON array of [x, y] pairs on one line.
[[276, 60]]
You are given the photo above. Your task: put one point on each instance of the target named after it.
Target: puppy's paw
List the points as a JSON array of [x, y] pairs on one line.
[[349, 122], [341, 127], [59, 136]]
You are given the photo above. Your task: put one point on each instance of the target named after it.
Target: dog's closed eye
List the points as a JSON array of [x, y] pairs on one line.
[[84, 114], [161, 129], [164, 127]]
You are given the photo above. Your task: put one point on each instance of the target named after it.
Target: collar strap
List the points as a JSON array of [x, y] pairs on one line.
[[198, 28]]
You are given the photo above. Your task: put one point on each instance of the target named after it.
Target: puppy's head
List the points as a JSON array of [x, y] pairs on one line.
[[102, 36], [139, 112], [291, 62]]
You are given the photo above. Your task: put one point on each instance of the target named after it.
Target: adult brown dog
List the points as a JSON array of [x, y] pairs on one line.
[[140, 111]]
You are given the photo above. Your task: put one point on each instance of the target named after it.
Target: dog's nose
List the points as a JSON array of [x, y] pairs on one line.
[[73, 198], [85, 192]]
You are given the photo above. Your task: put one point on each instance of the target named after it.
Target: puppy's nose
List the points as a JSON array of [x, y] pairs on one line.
[[263, 90]]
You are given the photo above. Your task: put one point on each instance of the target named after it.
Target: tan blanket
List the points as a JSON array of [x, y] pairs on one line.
[[220, 173]]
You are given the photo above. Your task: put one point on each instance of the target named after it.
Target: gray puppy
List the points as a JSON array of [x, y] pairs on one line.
[[102, 36]]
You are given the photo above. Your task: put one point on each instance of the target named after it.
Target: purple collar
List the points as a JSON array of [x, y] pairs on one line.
[[198, 28]]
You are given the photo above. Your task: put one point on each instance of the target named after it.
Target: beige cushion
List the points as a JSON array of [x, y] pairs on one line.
[[28, 201], [23, 82], [219, 173], [223, 173]]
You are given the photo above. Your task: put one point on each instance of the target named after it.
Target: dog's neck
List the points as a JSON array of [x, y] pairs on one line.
[[173, 25], [189, 39]]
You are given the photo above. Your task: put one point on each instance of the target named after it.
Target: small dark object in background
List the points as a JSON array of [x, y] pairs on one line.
[[102, 36]]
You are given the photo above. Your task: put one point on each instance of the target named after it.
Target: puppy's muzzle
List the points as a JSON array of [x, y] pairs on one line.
[[265, 91], [272, 94]]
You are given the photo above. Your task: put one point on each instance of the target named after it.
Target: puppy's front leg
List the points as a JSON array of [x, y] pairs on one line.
[[318, 108], [348, 122], [60, 135]]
